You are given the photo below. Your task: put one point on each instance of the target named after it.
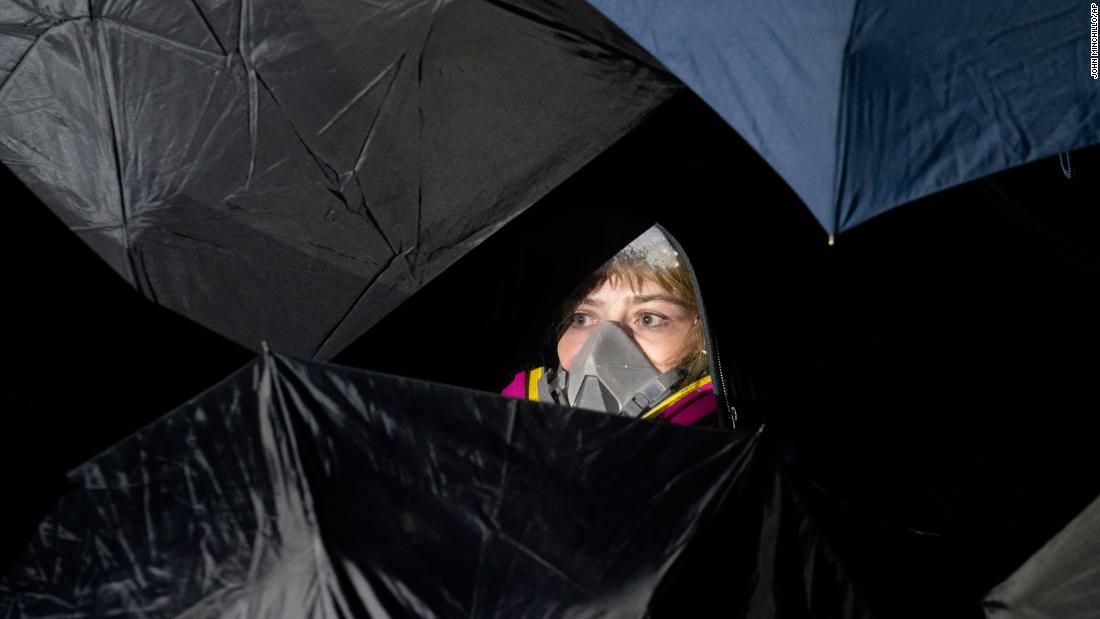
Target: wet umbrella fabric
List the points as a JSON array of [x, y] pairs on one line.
[[1062, 579], [291, 170], [862, 106], [300, 489], [297, 489]]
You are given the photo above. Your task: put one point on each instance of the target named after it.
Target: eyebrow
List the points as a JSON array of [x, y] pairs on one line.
[[638, 300]]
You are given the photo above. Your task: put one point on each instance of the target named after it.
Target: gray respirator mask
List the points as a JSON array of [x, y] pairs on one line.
[[610, 374]]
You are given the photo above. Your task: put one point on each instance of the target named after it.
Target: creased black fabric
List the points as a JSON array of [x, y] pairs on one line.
[[767, 560], [291, 170], [1061, 580], [295, 489]]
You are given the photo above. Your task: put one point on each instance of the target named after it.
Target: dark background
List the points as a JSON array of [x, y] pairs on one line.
[[929, 380]]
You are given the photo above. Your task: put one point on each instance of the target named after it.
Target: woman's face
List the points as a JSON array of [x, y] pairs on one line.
[[659, 323]]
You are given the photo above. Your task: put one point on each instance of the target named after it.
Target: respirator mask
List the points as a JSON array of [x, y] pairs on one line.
[[611, 374]]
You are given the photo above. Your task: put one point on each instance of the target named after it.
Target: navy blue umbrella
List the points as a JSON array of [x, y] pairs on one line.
[[862, 106]]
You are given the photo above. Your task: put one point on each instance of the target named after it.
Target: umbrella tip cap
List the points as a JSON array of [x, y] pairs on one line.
[[832, 240]]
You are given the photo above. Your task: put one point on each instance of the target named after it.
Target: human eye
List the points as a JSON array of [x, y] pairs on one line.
[[653, 320], [580, 320]]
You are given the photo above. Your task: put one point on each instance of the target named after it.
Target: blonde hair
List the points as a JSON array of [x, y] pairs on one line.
[[635, 270]]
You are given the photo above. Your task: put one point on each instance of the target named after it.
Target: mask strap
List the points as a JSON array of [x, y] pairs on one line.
[[653, 392]]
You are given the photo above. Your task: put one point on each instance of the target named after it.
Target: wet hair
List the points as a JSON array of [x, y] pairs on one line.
[[633, 269]]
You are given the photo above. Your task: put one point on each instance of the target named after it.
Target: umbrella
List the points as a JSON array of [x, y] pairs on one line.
[[296, 489], [862, 106], [1060, 579], [289, 170]]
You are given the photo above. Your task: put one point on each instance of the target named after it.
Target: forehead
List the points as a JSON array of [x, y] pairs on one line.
[[613, 290]]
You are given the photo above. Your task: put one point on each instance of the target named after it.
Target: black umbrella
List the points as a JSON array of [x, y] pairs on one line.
[[291, 170], [1060, 579], [299, 489]]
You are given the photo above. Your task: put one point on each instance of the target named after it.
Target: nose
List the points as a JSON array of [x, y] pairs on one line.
[[625, 328]]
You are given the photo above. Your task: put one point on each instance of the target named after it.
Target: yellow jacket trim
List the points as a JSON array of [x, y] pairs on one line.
[[533, 384], [674, 398]]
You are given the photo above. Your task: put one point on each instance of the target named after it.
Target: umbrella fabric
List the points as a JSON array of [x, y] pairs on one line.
[[762, 555], [291, 170], [1062, 579], [298, 489], [862, 106]]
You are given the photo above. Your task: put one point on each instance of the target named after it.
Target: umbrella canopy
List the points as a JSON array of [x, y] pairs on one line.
[[299, 489], [289, 170], [862, 106], [1061, 580]]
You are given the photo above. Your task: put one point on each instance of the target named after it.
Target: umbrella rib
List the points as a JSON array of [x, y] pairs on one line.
[[396, 67], [57, 22], [563, 28], [420, 122], [366, 289], [116, 143], [149, 291], [33, 9], [209, 26], [253, 96], [327, 170], [369, 214], [494, 516], [22, 57], [364, 92], [840, 139]]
